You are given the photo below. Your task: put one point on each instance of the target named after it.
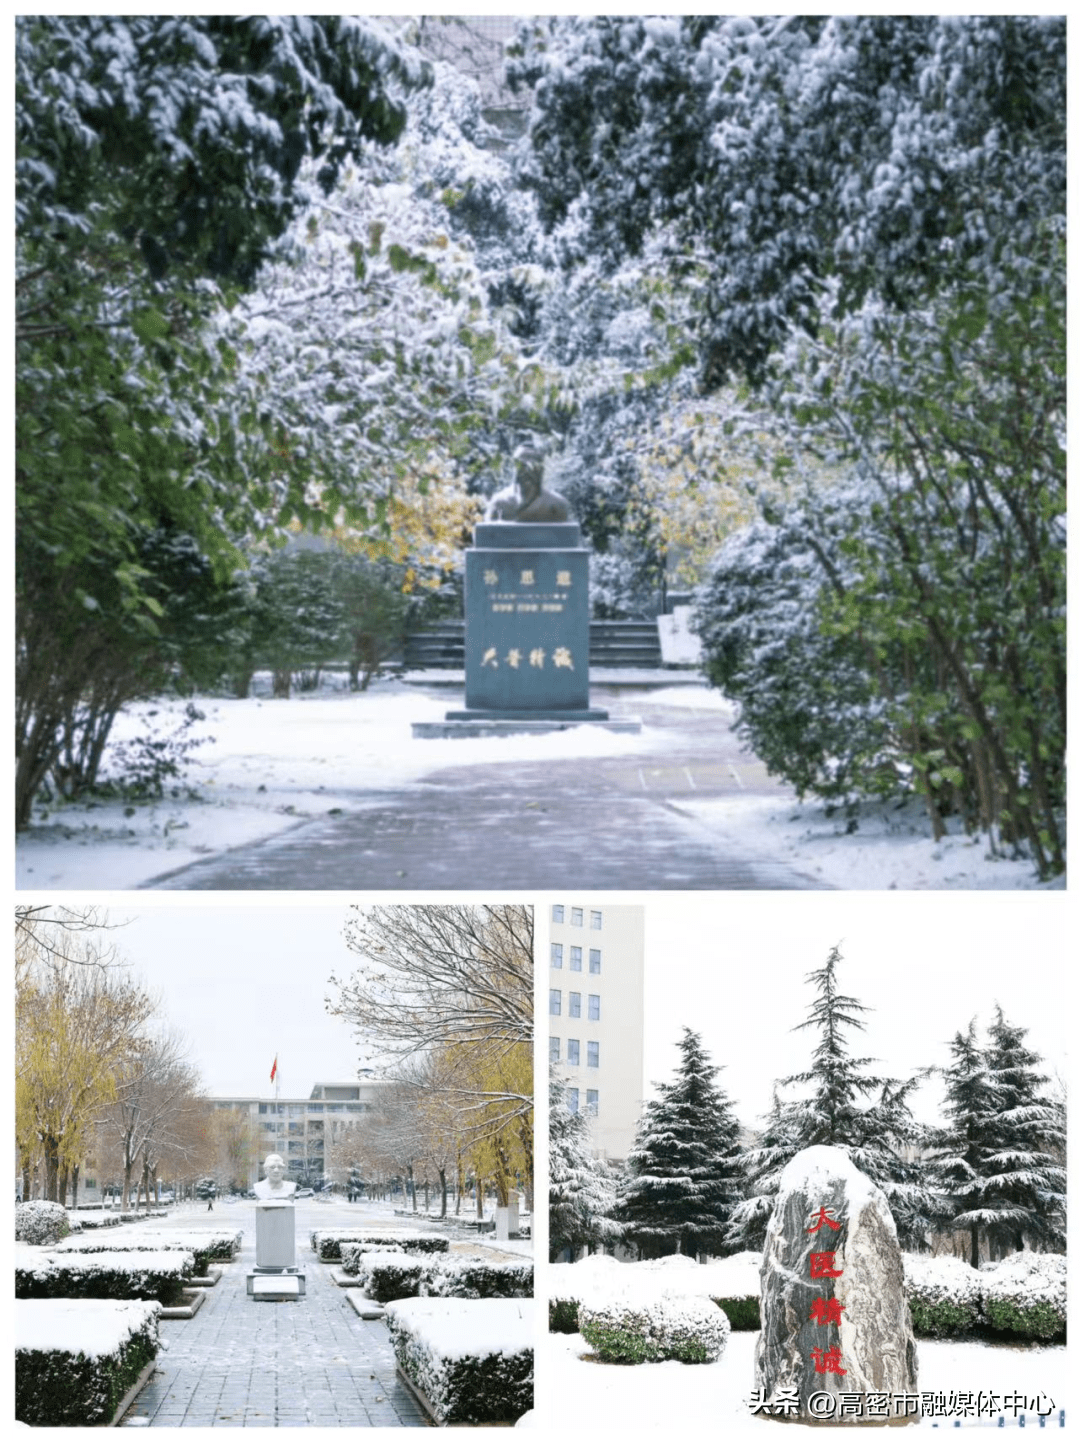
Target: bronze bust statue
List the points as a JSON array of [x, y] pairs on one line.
[[527, 499]]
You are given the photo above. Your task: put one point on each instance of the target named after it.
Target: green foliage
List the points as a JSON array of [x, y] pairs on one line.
[[563, 1316], [1039, 1321], [619, 1347], [742, 1311], [941, 1318], [57, 1388]]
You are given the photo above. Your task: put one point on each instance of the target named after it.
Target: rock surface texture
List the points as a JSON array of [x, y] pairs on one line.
[[834, 1319]]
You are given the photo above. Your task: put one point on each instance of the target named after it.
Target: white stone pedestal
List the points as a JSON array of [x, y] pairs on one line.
[[275, 1235], [506, 1221], [275, 1277]]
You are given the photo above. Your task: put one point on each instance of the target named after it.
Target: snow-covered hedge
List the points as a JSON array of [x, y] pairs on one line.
[[944, 1294], [93, 1220], [478, 1280], [1025, 1294], [352, 1251], [731, 1284], [662, 1328], [327, 1243], [471, 1360], [111, 1275], [75, 1360], [204, 1247], [391, 1278], [40, 1223]]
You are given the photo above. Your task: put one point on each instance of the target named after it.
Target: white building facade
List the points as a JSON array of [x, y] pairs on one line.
[[596, 1015]]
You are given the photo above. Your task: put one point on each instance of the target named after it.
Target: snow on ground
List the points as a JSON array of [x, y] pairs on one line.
[[595, 1399], [273, 764], [892, 849]]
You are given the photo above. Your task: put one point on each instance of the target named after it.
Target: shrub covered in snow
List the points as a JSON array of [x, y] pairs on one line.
[[944, 1295], [40, 1223], [75, 1360], [472, 1361], [94, 1220], [478, 1280], [663, 1328], [391, 1278], [112, 1275], [352, 1251], [327, 1243], [204, 1246], [1025, 1294]]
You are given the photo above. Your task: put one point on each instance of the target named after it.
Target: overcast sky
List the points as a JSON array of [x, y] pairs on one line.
[[244, 982], [732, 966]]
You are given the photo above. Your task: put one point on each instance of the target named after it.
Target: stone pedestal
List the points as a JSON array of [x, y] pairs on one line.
[[834, 1318], [527, 624], [506, 1222], [276, 1276], [275, 1235]]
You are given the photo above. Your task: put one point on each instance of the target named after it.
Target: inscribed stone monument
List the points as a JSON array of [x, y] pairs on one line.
[[834, 1318]]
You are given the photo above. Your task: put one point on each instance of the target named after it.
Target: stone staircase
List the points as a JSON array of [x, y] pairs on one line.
[[611, 643]]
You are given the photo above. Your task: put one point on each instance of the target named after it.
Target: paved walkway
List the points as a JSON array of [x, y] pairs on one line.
[[241, 1362], [597, 823]]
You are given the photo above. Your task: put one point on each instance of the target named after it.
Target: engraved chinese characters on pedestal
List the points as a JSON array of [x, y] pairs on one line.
[[836, 1343]]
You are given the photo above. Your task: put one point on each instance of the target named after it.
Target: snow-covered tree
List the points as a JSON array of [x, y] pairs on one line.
[[998, 1163], [872, 210], [581, 1185], [834, 1113], [685, 1172], [1028, 1164]]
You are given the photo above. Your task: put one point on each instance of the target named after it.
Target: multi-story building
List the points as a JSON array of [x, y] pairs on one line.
[[596, 1015], [299, 1129]]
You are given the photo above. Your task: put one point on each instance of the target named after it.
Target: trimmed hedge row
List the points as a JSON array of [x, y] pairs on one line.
[[204, 1249], [111, 1276], [388, 1277], [471, 1360], [73, 1367], [327, 1243], [690, 1329]]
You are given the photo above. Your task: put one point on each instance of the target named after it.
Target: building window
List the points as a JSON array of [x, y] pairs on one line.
[[575, 958], [592, 1102], [577, 916], [594, 1053], [558, 913], [596, 920], [556, 955], [554, 1003], [594, 1008], [594, 963], [573, 1053], [575, 1005], [312, 1110], [553, 1049], [572, 1101]]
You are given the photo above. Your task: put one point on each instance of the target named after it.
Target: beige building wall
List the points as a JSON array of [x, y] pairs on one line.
[[596, 1014]]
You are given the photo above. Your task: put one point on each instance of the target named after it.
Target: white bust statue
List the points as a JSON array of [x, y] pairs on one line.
[[274, 1187]]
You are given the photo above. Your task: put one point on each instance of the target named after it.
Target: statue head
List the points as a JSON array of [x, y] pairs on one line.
[[529, 464], [274, 1168]]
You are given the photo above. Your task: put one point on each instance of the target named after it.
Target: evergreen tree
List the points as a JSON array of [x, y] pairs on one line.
[[686, 1169], [998, 1171], [581, 1192], [872, 1136], [1027, 1163], [960, 1169]]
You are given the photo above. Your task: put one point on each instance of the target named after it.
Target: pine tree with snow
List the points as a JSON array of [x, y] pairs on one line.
[[998, 1170], [835, 1114], [685, 1172], [581, 1189], [1027, 1163]]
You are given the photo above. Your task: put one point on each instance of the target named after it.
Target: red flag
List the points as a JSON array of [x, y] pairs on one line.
[[273, 1069]]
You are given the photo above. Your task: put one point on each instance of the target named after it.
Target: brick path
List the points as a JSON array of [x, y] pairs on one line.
[[241, 1362]]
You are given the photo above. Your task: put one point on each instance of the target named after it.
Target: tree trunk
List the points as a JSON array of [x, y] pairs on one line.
[[75, 1188], [975, 1247], [479, 1199], [282, 684], [442, 1184]]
